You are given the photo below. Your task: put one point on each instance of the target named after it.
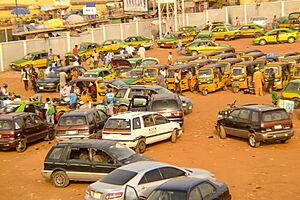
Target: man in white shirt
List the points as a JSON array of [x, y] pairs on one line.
[[130, 49], [141, 51], [177, 82], [62, 78], [76, 63]]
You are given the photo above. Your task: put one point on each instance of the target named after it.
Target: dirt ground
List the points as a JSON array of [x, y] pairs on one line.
[[268, 172]]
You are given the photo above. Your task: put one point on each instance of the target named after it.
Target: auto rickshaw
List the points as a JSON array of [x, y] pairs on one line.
[[252, 56], [199, 63], [282, 74], [287, 54], [187, 74], [226, 68], [119, 62], [210, 79], [151, 73], [263, 60], [222, 56], [206, 55], [292, 60], [184, 60], [241, 76], [246, 51], [296, 72]]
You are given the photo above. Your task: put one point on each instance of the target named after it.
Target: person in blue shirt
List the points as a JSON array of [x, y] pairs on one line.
[[73, 99], [179, 46], [109, 102]]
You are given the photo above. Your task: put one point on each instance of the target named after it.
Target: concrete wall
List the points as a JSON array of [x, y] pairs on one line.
[[129, 29], [112, 31], [217, 15], [11, 51], [196, 19]]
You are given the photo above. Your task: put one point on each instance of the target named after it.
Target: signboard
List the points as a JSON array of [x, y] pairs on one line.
[[205, 5], [136, 5], [288, 105], [165, 1], [89, 10]]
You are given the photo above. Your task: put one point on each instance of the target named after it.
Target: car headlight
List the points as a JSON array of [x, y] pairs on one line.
[[242, 79], [231, 79], [184, 104], [277, 79]]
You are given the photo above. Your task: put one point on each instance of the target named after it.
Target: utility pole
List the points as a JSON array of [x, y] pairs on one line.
[[17, 8]]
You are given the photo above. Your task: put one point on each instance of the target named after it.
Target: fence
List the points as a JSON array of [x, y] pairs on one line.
[[10, 51]]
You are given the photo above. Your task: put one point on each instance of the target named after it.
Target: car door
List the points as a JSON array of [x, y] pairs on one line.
[[79, 166], [230, 122], [163, 128], [283, 36], [102, 163], [40, 127], [149, 182], [208, 191], [29, 128], [149, 128], [243, 124], [102, 119], [216, 33], [244, 30], [272, 37]]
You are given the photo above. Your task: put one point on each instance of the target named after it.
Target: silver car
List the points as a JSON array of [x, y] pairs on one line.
[[144, 176]]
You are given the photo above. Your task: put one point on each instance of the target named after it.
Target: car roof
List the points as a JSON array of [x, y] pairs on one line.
[[37, 52], [260, 107], [164, 96], [93, 143], [294, 81], [277, 63], [13, 115], [181, 183], [233, 60], [130, 115], [79, 112], [141, 86], [144, 165]]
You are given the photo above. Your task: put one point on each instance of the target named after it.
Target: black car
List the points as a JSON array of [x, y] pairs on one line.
[[51, 81], [86, 160], [185, 188], [257, 123]]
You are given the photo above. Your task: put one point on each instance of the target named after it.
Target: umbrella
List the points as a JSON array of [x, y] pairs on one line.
[[75, 19], [20, 11], [47, 8]]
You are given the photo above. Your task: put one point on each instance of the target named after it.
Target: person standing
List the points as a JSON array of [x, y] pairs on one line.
[[170, 59], [74, 74], [4, 92], [271, 80], [62, 78], [25, 77], [177, 81], [95, 56], [75, 51], [73, 99], [90, 62], [50, 110], [141, 51], [237, 22], [130, 49], [50, 55], [109, 102], [179, 46], [258, 80], [67, 61], [33, 76], [275, 22], [163, 72]]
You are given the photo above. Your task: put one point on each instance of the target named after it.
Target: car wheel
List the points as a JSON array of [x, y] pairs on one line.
[[221, 131], [22, 145], [174, 136], [256, 35], [51, 134], [226, 38], [122, 109], [60, 179], [262, 42], [141, 146], [235, 89], [204, 92], [291, 40], [194, 53], [253, 142]]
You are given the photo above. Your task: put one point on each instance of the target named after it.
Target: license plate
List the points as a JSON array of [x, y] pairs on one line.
[[41, 88], [277, 127], [162, 45], [71, 132]]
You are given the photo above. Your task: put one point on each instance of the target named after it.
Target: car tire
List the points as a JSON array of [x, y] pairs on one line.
[[141, 146], [253, 142], [226, 38], [291, 40], [122, 109], [51, 135], [204, 92], [262, 42], [60, 179], [221, 132], [174, 136], [194, 53], [22, 145], [235, 89]]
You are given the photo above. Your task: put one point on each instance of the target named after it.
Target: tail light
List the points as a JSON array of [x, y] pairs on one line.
[[177, 114], [114, 195]]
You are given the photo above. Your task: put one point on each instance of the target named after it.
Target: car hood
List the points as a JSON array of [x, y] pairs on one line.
[[168, 40], [48, 80], [19, 61], [136, 158], [185, 99], [128, 81]]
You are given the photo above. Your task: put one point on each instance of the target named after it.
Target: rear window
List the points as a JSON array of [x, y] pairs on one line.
[[150, 73], [161, 105], [294, 87], [5, 125], [275, 115], [119, 124], [118, 177], [72, 121], [9, 108]]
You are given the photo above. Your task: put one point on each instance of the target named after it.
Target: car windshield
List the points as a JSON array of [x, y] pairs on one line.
[[118, 177], [82, 47], [167, 195], [275, 115], [120, 151], [9, 108], [72, 121], [28, 57], [5, 125], [150, 73], [237, 71], [171, 73], [53, 74], [134, 74], [225, 67], [205, 73], [275, 69], [165, 104], [119, 124], [293, 87], [148, 63]]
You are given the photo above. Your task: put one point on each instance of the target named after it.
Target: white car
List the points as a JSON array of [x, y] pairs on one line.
[[137, 129], [143, 176]]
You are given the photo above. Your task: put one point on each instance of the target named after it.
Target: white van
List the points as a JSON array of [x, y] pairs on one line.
[[136, 129]]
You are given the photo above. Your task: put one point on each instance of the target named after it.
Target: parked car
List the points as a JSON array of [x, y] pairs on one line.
[[103, 73], [198, 46], [19, 129], [114, 45], [37, 59], [260, 21], [135, 41], [187, 188], [126, 92], [144, 176], [277, 35], [86, 160], [251, 30], [172, 40], [137, 129], [80, 124], [51, 81], [225, 33], [257, 123], [292, 92], [86, 49], [193, 30]]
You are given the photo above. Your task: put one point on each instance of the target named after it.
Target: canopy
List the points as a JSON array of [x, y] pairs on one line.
[[75, 19], [47, 8], [20, 11]]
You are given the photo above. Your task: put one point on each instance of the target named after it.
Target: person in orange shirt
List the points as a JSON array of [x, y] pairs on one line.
[[74, 74], [258, 80]]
